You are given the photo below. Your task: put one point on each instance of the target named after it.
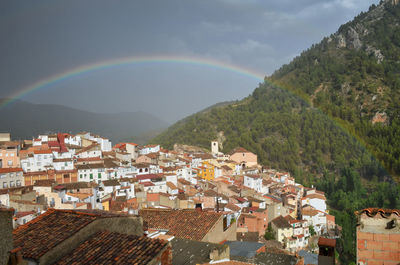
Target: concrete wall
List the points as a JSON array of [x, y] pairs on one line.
[[249, 158], [6, 239], [375, 243], [217, 233]]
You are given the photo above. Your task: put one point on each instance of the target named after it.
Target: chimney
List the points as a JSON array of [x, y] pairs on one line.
[[6, 238], [199, 207]]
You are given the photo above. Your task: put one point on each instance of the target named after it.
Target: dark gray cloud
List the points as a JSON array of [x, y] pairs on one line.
[[46, 37]]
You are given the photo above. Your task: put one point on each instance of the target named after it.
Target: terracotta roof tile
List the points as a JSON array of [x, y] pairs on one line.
[[52, 227], [322, 241], [371, 212], [114, 248], [10, 170], [188, 224], [281, 222]]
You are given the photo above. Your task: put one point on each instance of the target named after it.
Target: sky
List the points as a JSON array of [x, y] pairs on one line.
[[44, 38]]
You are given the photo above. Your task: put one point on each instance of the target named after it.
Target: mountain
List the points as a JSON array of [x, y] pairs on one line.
[[331, 117], [26, 120], [349, 81], [353, 77]]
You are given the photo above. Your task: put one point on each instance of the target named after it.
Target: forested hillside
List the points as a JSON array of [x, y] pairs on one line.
[[331, 117], [353, 76]]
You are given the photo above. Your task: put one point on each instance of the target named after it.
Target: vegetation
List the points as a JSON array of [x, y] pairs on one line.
[[314, 117], [269, 233], [312, 230]]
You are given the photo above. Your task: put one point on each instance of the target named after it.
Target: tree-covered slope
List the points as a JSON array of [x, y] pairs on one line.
[[353, 76]]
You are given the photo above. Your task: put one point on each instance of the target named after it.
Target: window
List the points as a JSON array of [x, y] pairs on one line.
[[69, 198], [66, 164], [11, 183], [5, 185], [12, 154], [91, 176], [80, 176], [99, 175], [18, 183]]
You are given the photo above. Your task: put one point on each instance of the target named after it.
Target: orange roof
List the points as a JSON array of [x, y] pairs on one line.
[[371, 212], [52, 227], [114, 248], [45, 151], [9, 170], [322, 241], [188, 224]]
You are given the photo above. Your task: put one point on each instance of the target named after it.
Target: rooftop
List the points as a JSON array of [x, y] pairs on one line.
[[112, 248], [188, 224], [52, 227]]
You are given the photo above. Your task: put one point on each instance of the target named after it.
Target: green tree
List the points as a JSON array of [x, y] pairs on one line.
[[312, 230], [269, 233]]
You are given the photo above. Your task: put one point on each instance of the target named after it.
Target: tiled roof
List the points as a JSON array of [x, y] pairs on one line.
[[322, 241], [23, 190], [184, 182], [281, 222], [231, 262], [171, 185], [44, 183], [79, 195], [114, 248], [233, 207], [52, 227], [10, 170], [39, 152], [22, 214], [77, 185], [239, 150], [148, 176], [316, 196], [62, 160], [385, 213], [189, 224], [111, 182]]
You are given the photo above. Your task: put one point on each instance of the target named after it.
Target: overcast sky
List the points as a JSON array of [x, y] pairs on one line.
[[43, 38]]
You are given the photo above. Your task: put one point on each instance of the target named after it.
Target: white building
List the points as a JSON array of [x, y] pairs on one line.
[[63, 164], [92, 172], [253, 182], [40, 160], [316, 200], [11, 177], [154, 148]]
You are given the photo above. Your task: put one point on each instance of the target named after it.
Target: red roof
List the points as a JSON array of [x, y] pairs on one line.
[[10, 170], [148, 184], [22, 214], [383, 212], [114, 248], [322, 241], [148, 176], [188, 224], [52, 227], [38, 152]]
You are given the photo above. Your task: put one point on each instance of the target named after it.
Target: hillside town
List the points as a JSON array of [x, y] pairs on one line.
[[226, 205]]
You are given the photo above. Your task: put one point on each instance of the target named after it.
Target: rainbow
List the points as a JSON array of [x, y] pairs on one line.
[[134, 60]]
